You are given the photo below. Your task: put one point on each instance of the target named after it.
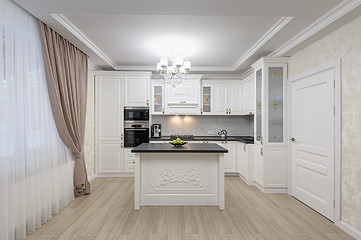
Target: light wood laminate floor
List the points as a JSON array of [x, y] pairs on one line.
[[108, 214]]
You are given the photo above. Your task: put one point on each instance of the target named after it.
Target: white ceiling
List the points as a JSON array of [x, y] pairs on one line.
[[218, 36]]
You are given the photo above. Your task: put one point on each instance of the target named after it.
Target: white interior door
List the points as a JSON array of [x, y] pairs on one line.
[[312, 127]]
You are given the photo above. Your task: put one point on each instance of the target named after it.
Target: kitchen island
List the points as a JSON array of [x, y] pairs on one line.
[[191, 175]]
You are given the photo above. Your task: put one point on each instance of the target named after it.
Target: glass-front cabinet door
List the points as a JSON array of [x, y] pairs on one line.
[[206, 99], [158, 98], [275, 104], [259, 105], [270, 75]]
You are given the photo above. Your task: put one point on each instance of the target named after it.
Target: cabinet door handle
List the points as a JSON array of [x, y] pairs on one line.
[[133, 162], [261, 151], [121, 136], [163, 110], [147, 102], [261, 141], [244, 147], [226, 110], [121, 145], [201, 110], [206, 142], [230, 111], [223, 142]]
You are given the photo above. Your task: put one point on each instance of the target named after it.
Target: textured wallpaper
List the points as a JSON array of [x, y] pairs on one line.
[[344, 44], [89, 128]]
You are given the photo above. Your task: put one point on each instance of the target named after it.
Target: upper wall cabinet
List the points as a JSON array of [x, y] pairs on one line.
[[136, 91], [249, 95], [226, 97], [158, 97], [184, 99]]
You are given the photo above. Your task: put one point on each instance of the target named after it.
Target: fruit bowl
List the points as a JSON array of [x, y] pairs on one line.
[[178, 144]]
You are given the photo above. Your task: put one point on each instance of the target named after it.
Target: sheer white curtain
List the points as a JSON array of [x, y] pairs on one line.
[[36, 169]]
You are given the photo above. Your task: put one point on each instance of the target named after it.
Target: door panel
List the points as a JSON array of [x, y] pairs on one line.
[[136, 91], [312, 127], [220, 99], [235, 99]]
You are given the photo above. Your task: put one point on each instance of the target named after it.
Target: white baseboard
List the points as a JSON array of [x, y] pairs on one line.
[[92, 177], [271, 190], [125, 174], [349, 230]]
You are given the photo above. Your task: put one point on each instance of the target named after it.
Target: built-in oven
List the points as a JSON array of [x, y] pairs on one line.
[[135, 133], [136, 114]]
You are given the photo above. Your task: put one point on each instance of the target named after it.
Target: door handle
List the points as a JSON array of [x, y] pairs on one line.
[[261, 151], [292, 139]]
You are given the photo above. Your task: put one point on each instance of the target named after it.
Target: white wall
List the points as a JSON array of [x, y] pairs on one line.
[[200, 125], [344, 44]]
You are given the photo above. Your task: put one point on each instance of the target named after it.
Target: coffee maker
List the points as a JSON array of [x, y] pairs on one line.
[[156, 130]]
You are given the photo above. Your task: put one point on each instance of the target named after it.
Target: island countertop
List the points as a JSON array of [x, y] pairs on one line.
[[187, 148]]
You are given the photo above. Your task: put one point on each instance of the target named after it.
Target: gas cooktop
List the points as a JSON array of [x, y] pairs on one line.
[[183, 137]]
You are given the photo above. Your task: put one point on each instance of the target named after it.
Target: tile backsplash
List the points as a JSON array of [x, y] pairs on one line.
[[200, 125]]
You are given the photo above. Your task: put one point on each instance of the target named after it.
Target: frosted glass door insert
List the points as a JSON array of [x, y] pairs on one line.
[[158, 99], [275, 104], [206, 99], [259, 104]]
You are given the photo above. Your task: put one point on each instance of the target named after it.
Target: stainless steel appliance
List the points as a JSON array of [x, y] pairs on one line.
[[136, 114], [223, 134], [183, 137], [135, 133], [156, 130]]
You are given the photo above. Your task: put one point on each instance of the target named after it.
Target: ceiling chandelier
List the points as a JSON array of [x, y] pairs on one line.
[[176, 72]]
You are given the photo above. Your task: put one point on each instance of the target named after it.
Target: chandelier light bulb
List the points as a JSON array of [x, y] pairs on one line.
[[187, 65], [159, 67], [164, 62]]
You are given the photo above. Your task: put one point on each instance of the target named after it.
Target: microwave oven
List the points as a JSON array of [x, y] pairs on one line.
[[136, 114]]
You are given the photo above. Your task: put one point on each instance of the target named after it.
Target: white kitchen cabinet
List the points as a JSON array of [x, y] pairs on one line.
[[220, 98], [129, 160], [184, 99], [108, 124], [207, 99], [245, 162], [234, 92], [230, 158], [270, 124], [136, 90], [249, 95], [158, 97], [109, 157], [227, 97]]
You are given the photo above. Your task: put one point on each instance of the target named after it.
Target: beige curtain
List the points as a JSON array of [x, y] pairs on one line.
[[66, 75]]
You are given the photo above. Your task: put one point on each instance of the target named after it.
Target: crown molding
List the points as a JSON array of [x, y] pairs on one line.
[[283, 21], [65, 22], [92, 66], [341, 9], [247, 73]]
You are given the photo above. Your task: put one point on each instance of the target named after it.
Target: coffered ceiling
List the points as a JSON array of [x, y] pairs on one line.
[[217, 36]]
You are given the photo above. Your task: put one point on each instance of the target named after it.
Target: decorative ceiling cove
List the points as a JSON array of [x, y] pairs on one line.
[[218, 36]]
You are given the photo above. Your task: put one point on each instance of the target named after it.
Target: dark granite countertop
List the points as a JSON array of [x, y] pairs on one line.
[[187, 148], [244, 139]]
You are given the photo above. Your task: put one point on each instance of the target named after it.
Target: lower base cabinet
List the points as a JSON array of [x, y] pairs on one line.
[[129, 160], [245, 162], [270, 169], [109, 157], [230, 158]]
